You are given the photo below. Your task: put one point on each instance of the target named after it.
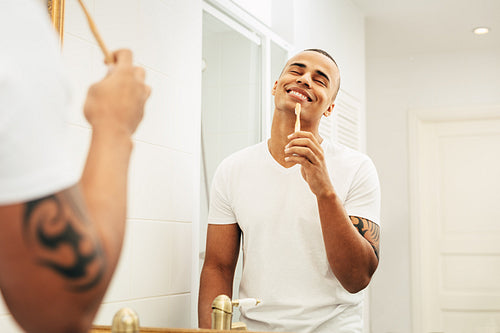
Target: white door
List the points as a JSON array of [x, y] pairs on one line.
[[456, 221]]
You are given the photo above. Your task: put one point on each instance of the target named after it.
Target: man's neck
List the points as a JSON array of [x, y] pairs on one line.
[[283, 125]]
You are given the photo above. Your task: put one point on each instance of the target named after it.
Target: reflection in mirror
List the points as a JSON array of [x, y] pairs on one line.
[[231, 103], [56, 12]]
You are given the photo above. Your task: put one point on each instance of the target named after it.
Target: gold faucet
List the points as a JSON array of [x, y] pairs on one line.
[[222, 313], [125, 321]]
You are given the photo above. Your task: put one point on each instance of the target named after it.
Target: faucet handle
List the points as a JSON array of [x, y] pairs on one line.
[[125, 321], [223, 303], [222, 312], [245, 302]]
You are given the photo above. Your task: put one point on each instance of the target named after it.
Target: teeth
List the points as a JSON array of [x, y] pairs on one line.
[[299, 95]]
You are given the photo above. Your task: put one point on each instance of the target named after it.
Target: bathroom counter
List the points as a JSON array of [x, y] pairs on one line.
[[107, 329]]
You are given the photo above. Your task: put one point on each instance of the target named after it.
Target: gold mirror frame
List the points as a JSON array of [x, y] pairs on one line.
[[56, 12]]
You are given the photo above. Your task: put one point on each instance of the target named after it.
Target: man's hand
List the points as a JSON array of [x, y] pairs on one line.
[[117, 101], [352, 255], [304, 149]]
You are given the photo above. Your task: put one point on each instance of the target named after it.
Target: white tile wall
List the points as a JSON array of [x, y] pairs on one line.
[[75, 22], [8, 325], [120, 288], [76, 55], [153, 273], [167, 311], [155, 269], [158, 125], [160, 184], [3, 307], [79, 143], [118, 22], [167, 36]]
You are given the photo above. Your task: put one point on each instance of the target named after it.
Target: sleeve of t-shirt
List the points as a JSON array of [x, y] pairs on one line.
[[363, 198], [35, 153], [220, 211]]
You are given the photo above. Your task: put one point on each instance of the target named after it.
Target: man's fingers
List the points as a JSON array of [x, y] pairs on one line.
[[303, 134], [148, 91], [120, 58], [303, 153], [298, 160], [140, 73], [123, 57], [306, 142]]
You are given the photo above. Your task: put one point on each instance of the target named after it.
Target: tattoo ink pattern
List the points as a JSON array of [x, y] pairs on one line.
[[58, 235], [369, 230]]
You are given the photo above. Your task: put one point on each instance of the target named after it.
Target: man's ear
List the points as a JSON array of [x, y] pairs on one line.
[[273, 91], [329, 111]]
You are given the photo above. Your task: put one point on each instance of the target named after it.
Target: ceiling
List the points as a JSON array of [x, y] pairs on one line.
[[409, 27]]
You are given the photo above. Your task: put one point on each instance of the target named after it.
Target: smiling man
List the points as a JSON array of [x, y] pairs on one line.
[[306, 211]]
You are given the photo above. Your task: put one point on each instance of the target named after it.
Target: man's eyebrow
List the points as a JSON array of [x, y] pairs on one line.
[[324, 75], [301, 65], [298, 64]]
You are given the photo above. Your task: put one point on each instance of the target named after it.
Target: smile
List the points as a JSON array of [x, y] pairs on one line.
[[299, 95]]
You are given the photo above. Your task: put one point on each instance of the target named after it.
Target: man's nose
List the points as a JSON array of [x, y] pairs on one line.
[[305, 79]]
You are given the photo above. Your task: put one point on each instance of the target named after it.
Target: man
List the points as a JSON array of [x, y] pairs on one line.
[[60, 234], [307, 212]]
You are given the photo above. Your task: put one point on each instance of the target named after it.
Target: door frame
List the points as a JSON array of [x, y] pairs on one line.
[[417, 120]]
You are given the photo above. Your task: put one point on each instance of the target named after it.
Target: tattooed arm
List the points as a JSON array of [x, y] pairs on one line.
[[369, 230], [351, 243], [53, 267], [58, 253]]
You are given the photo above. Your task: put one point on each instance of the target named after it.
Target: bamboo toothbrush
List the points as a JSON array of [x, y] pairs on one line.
[[108, 58], [297, 113]]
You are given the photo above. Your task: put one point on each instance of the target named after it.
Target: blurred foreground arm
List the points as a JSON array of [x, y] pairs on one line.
[[58, 253]]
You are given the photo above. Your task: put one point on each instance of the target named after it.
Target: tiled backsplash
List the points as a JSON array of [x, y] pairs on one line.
[[154, 273]]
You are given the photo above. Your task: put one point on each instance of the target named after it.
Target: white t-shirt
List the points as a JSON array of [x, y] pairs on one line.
[[34, 101], [284, 258]]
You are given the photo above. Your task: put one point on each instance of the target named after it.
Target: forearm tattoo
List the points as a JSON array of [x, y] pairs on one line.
[[369, 230], [58, 235]]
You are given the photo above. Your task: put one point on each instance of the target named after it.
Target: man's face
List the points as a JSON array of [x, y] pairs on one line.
[[311, 79]]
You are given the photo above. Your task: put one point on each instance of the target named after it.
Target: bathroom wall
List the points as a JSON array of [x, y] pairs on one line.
[[154, 276], [155, 270], [394, 85], [158, 271]]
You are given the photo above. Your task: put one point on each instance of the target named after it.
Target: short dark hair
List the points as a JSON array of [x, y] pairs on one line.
[[323, 52]]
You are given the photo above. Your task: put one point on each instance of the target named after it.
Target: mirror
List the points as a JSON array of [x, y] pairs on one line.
[[231, 103]]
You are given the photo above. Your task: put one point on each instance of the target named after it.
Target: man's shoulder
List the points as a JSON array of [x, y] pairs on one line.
[[240, 160], [348, 160], [243, 155], [342, 152]]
